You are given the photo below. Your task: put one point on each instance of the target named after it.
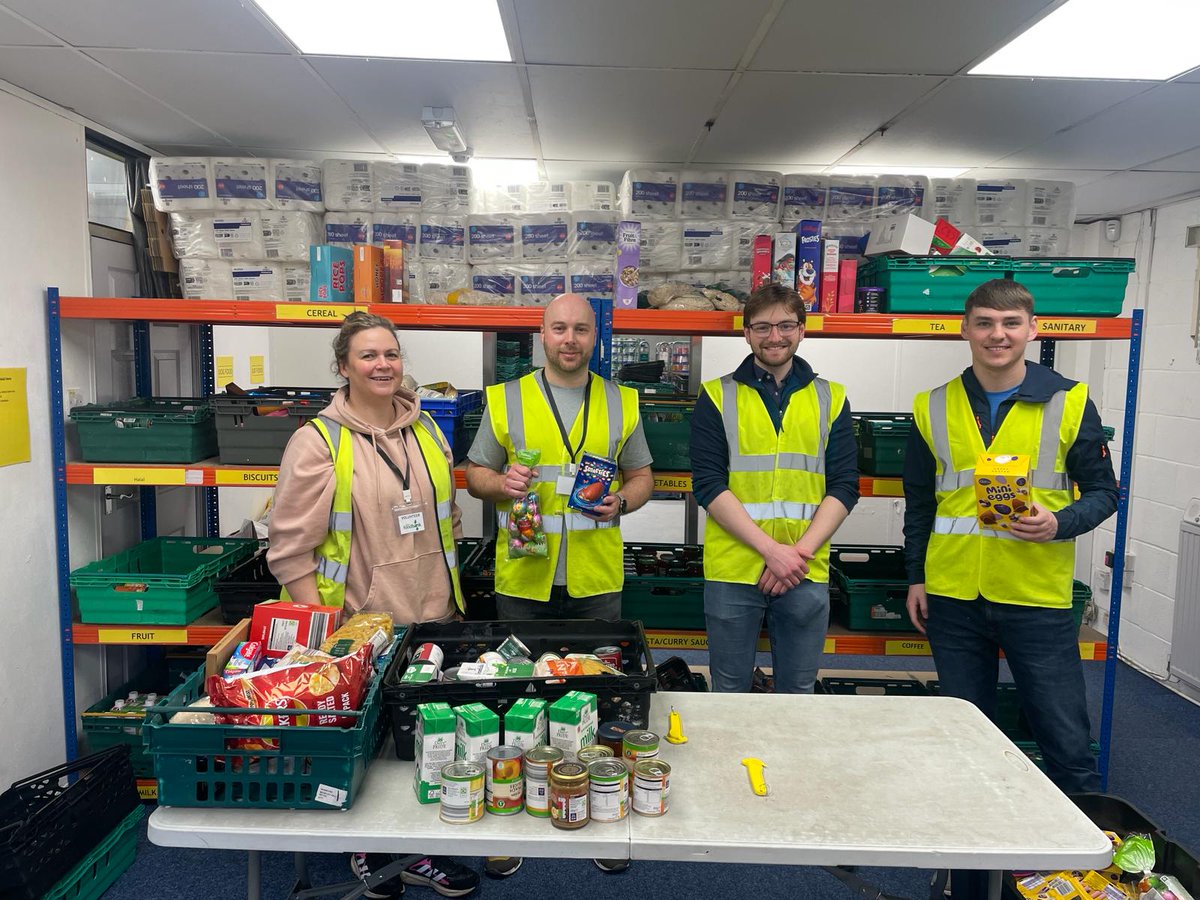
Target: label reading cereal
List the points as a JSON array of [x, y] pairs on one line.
[[1001, 490]]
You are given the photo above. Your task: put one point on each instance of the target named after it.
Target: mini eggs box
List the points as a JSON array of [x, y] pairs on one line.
[[592, 482], [1001, 490]]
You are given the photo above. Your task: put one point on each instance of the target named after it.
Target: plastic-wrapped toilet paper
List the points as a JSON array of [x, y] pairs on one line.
[[661, 246], [851, 236], [240, 183], [493, 237], [952, 199], [206, 279], [707, 244], [287, 234], [1049, 204], [230, 235], [345, 229], [592, 196], [346, 184], [744, 233], [192, 235], [296, 280], [445, 189], [499, 198], [1001, 203], [1047, 241], [755, 194], [899, 194], [736, 279], [396, 187], [547, 197], [545, 237], [592, 279], [593, 235], [182, 183], [650, 194], [414, 281], [804, 197], [500, 281], [443, 238], [851, 198], [537, 284], [703, 195], [1004, 240], [439, 280], [397, 227], [258, 280], [295, 184]]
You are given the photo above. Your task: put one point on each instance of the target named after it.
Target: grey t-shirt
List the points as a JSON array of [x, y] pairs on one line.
[[486, 450]]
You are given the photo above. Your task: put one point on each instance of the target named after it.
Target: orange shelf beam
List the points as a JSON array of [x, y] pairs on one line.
[[204, 632]]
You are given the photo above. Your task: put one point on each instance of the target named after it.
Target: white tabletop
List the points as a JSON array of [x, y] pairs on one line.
[[899, 781]]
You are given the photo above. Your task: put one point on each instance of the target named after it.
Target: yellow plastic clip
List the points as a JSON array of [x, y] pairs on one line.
[[675, 733], [755, 767]]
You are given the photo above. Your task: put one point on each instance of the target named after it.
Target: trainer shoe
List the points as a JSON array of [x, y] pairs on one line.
[[444, 875], [501, 866], [611, 866], [363, 864]]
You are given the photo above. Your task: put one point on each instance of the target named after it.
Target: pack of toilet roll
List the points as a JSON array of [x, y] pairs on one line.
[[346, 184], [397, 226], [538, 284], [805, 197], [445, 190], [703, 195], [1000, 202], [296, 184], [648, 194], [548, 197], [591, 196], [592, 235], [296, 279], [544, 237], [897, 195], [508, 199], [497, 281], [493, 237], [204, 279], [435, 282], [591, 278], [952, 199], [851, 198], [708, 244], [345, 229], [755, 194], [287, 234], [240, 183], [181, 183], [396, 187], [207, 235], [744, 233], [257, 280], [661, 246]]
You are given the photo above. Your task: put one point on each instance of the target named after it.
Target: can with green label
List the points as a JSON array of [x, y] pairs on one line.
[[462, 792], [636, 745], [504, 783]]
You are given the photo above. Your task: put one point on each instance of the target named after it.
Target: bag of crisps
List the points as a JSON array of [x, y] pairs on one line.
[[526, 537]]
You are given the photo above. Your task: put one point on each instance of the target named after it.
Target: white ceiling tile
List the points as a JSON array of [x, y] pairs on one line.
[[619, 114], [1188, 161], [154, 24], [388, 94], [1130, 191], [976, 121], [919, 37], [14, 32], [589, 170], [253, 100], [62, 76], [1075, 176], [786, 119], [702, 34], [1157, 123]]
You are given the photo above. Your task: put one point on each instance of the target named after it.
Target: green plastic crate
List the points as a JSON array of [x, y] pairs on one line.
[[155, 429], [882, 440], [872, 587], [162, 581], [1081, 596], [664, 595], [196, 765], [930, 284], [668, 429], [1009, 717], [101, 868], [1072, 286], [105, 731]]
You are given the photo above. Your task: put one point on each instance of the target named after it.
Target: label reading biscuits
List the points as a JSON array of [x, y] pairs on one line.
[[1001, 490]]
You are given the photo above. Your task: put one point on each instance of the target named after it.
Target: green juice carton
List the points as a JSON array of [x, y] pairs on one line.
[[525, 723], [573, 720], [477, 732], [433, 747]]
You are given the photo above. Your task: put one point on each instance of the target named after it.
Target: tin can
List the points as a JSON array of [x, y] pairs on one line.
[[420, 673], [609, 790], [504, 782], [512, 649], [610, 655], [491, 656], [569, 789], [430, 653], [462, 792], [638, 745], [612, 735], [651, 787], [593, 752], [450, 674], [539, 761]]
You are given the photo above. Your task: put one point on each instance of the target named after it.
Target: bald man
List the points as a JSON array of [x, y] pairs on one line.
[[563, 410]]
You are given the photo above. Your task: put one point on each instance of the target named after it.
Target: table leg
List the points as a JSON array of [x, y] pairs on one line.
[[995, 885], [254, 875]]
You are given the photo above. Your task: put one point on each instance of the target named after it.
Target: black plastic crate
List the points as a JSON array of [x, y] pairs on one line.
[[51, 821], [477, 576], [890, 687], [253, 428], [618, 697], [240, 589]]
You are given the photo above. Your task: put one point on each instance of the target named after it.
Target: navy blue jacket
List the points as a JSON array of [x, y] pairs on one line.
[[1088, 464], [710, 450]]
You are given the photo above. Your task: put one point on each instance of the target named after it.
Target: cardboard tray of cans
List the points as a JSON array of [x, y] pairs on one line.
[[618, 697]]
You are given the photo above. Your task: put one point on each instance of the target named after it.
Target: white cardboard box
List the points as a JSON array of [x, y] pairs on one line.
[[905, 233]]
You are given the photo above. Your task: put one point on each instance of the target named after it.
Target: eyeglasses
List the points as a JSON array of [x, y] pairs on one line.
[[786, 329]]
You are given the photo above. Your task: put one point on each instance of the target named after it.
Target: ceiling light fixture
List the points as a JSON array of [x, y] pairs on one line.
[[1104, 39], [445, 29], [444, 131], [927, 171]]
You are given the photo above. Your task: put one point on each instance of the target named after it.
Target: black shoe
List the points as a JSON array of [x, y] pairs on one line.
[[444, 875], [501, 866], [611, 866], [363, 864]]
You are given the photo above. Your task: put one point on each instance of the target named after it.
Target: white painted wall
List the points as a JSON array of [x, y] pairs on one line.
[[43, 241]]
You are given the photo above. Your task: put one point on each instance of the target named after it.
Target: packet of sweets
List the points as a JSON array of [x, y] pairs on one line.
[[526, 537]]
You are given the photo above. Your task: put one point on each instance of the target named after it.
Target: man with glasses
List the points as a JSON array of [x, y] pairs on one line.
[[774, 463]]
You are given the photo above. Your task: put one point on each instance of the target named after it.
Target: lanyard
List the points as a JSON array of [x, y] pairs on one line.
[[403, 476], [587, 400]]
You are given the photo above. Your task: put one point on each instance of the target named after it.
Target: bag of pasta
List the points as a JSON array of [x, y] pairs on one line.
[[365, 628], [526, 537]]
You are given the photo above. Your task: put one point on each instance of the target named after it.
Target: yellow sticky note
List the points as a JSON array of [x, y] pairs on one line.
[[14, 417], [224, 370], [258, 368]]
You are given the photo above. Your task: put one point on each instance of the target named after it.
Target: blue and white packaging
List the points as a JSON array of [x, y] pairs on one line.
[[650, 194], [755, 194], [239, 235], [287, 234], [397, 227], [744, 232], [545, 237], [538, 284], [240, 183], [547, 197], [952, 199], [438, 281], [295, 184], [445, 190], [346, 184], [205, 279], [396, 187], [661, 246], [808, 263], [707, 244], [805, 197], [591, 196], [593, 235], [896, 195], [703, 195], [592, 279], [498, 281], [259, 280], [851, 198], [182, 183], [443, 238], [493, 237], [345, 229], [1001, 203], [1004, 240], [331, 274]]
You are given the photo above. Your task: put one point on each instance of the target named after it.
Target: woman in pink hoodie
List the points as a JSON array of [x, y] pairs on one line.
[[395, 567]]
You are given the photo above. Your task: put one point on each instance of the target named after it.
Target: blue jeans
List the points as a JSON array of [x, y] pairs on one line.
[[1041, 647], [561, 605], [796, 622]]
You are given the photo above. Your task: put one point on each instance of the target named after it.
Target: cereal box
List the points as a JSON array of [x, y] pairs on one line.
[[783, 266], [629, 239], [808, 263], [1002, 489], [592, 482]]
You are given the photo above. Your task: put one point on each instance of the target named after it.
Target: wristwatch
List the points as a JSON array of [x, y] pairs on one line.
[[624, 503]]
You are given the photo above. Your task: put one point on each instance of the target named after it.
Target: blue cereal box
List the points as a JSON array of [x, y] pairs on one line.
[[808, 263], [331, 272], [592, 482]]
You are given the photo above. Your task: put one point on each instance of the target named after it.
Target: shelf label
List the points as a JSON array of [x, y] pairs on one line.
[[141, 636], [887, 487], [910, 647], [830, 645], [739, 322], [247, 477], [258, 368], [224, 367], [814, 323], [1066, 326], [1091, 650], [103, 475], [692, 640], [673, 483], [194, 477], [315, 312], [925, 326], [147, 789]]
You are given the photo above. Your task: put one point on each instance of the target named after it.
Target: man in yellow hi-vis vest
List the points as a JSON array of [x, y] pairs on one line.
[[775, 465], [976, 587]]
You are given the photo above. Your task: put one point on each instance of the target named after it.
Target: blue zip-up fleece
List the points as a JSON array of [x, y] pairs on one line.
[[1088, 464]]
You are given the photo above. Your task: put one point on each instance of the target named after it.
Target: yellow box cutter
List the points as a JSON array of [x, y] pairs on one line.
[[755, 768]]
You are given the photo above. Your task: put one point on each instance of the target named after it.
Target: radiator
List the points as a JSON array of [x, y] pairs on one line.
[[1185, 638]]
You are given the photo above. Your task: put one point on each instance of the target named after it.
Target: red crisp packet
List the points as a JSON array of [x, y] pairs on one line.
[[592, 482]]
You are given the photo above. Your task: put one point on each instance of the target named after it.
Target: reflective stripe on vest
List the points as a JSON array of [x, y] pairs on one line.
[[766, 462]]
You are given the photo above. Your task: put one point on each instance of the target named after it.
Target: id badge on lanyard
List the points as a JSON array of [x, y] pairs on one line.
[[565, 483], [409, 516]]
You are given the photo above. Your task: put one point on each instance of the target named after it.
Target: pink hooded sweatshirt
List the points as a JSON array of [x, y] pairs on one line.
[[404, 575]]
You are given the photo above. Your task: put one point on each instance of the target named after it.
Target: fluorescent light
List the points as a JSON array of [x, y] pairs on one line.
[[504, 171], [927, 171], [439, 29], [1151, 40]]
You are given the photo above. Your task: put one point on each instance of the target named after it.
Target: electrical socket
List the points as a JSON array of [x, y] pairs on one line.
[[75, 397]]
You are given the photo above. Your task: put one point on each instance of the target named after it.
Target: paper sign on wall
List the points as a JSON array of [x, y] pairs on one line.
[[224, 366], [14, 418], [257, 369]]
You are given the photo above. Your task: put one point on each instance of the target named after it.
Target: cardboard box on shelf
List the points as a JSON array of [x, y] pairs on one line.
[[904, 234], [368, 274], [847, 283], [829, 277], [760, 267], [808, 263], [783, 263]]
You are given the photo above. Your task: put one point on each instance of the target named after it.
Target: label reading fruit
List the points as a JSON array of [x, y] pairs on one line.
[[592, 482]]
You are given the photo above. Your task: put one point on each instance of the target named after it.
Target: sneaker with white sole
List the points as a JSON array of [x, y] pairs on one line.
[[501, 866], [611, 866], [364, 864], [444, 875]]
